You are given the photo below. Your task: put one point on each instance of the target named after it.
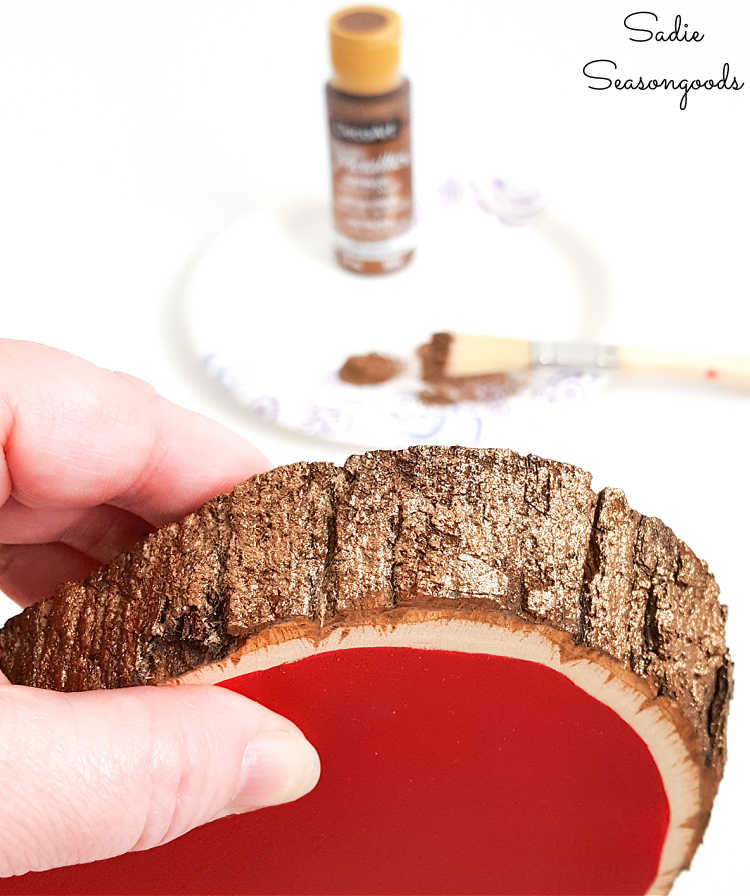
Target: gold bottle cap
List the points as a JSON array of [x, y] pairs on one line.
[[365, 49]]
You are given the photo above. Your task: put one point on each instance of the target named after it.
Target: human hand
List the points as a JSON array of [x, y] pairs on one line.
[[90, 460]]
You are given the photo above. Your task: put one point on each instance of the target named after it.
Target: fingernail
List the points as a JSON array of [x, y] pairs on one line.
[[277, 767]]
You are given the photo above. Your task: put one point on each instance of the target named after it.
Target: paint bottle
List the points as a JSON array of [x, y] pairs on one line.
[[370, 139]]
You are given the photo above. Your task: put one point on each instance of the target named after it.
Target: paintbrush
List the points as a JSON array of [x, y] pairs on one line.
[[455, 355]]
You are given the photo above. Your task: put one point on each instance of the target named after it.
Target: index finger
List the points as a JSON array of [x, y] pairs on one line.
[[74, 435]]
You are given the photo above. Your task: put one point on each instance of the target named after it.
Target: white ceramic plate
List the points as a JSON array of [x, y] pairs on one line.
[[272, 318]]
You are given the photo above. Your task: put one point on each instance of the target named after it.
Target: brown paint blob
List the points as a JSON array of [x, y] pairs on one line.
[[369, 370]]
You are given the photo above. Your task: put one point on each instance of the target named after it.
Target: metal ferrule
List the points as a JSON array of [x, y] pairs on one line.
[[574, 354]]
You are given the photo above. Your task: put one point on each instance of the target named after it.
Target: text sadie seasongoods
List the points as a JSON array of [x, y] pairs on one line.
[[643, 27]]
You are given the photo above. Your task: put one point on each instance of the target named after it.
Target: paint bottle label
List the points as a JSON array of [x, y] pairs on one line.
[[371, 179]]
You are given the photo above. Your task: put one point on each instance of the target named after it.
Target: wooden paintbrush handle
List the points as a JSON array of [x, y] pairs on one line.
[[732, 370]]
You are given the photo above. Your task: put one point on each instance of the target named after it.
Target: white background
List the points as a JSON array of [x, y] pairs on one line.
[[131, 132]]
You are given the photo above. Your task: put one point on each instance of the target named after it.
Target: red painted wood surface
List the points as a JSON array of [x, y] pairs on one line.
[[443, 773]]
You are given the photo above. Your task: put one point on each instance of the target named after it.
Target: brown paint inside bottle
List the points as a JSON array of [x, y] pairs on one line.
[[362, 22]]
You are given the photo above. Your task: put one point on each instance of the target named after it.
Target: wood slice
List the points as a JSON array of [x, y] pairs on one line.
[[516, 685]]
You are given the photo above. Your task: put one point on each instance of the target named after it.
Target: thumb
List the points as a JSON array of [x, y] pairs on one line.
[[92, 775]]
